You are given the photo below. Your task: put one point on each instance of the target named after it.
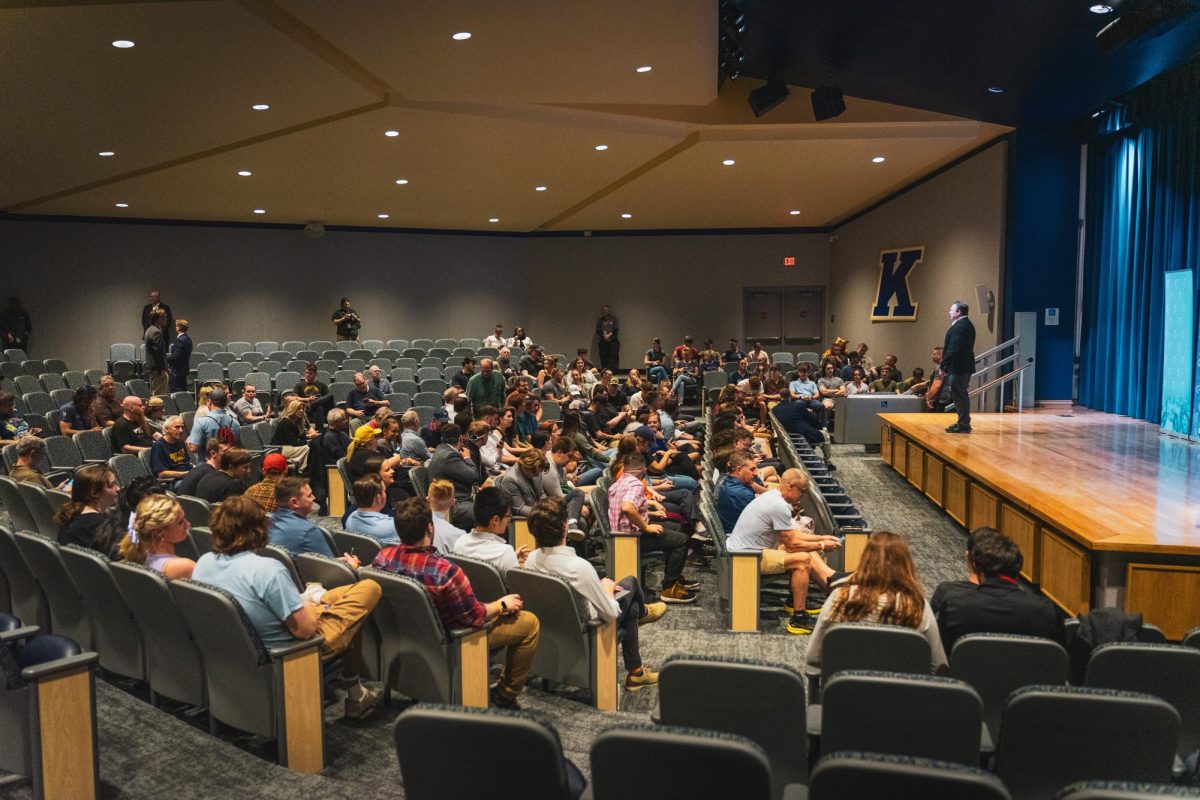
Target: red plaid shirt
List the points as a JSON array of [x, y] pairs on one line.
[[628, 488], [445, 581]]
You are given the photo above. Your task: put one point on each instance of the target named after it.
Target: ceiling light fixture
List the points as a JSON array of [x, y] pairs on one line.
[[494, 219], [402, 182], [391, 134], [461, 36], [260, 211], [645, 68], [122, 205], [729, 162], [794, 212], [1099, 8], [601, 147], [382, 216], [627, 215], [539, 188], [106, 153], [1097, 113], [260, 106], [878, 160], [995, 90], [245, 173], [123, 44]]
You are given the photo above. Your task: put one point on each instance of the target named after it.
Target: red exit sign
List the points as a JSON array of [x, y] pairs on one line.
[[789, 261]]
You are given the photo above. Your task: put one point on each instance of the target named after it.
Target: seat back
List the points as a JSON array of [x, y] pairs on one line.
[[285, 558], [39, 506], [1167, 671], [62, 452], [997, 664], [238, 675], [414, 656], [27, 600], [564, 652], [19, 515], [93, 446], [1051, 736], [201, 540], [860, 645], [844, 775], [486, 581], [910, 715], [67, 617], [128, 468], [648, 761], [118, 639], [195, 509], [329, 572], [364, 547], [728, 695]]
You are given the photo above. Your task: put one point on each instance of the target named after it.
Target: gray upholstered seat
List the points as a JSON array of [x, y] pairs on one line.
[[871, 775], [357, 544], [39, 506], [1167, 671], [67, 616], [26, 598], [1124, 790], [117, 636], [486, 581]]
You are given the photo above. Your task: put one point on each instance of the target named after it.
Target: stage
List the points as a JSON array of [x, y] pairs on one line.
[[1105, 508]]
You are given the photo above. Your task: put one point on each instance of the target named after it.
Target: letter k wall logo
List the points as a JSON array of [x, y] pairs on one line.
[[893, 300]]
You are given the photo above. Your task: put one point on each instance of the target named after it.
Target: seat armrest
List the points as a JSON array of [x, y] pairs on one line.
[[51, 668], [611, 534], [17, 634], [755, 554], [283, 651], [462, 633]]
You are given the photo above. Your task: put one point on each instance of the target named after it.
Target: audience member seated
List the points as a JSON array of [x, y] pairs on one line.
[[131, 433], [159, 524], [363, 399], [738, 488], [106, 408], [992, 600], [229, 480], [156, 411], [336, 438], [248, 408], [76, 416], [315, 395], [531, 364], [835, 356], [798, 419], [117, 523], [218, 419], [857, 383], [456, 603], [487, 542], [734, 354], [830, 385], [883, 589], [293, 434], [370, 496], [168, 455], [787, 544], [743, 372], [622, 601], [804, 389], [378, 382], [30, 450], [560, 481], [759, 355], [280, 615], [213, 450], [864, 360], [274, 467], [12, 422], [519, 339], [774, 383], [448, 461], [889, 361], [686, 368], [522, 484], [440, 495], [94, 492], [887, 383], [915, 384], [497, 339], [629, 511], [291, 528]]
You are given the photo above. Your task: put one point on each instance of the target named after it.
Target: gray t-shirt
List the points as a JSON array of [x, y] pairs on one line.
[[757, 527], [261, 585]]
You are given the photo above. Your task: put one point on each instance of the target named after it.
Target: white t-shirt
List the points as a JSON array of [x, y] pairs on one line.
[[758, 526]]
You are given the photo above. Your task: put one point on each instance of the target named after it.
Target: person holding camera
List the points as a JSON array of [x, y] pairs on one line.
[[347, 321]]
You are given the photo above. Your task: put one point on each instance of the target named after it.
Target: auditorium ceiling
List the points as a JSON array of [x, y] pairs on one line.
[[379, 117]]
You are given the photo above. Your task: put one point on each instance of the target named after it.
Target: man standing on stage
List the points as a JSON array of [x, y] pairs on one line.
[[607, 342], [958, 360]]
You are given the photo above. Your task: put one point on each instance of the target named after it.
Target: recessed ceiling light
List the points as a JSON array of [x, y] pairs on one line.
[[601, 147], [995, 90], [627, 215], [494, 219], [1097, 113], [382, 216], [245, 173], [645, 68], [878, 160], [1101, 8], [461, 36], [794, 212], [391, 134], [402, 182], [260, 211], [122, 205], [539, 188], [260, 106], [123, 44], [729, 162], [106, 153]]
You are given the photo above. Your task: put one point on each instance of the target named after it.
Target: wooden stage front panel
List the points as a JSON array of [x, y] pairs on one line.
[[1105, 509]]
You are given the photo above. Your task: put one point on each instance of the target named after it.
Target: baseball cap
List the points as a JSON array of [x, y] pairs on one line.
[[155, 402], [575, 391], [441, 415], [274, 463], [644, 432], [364, 434]]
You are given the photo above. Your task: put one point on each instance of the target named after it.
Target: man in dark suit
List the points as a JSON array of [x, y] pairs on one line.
[[992, 600], [958, 360], [168, 329]]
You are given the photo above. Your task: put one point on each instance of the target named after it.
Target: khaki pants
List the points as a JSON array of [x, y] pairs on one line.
[[519, 633], [160, 382], [343, 611]]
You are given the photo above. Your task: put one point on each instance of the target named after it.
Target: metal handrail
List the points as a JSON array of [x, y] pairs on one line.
[[999, 363], [1010, 343], [1017, 374]]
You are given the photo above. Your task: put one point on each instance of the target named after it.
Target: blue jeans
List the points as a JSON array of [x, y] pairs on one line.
[[683, 482], [682, 384], [589, 477], [657, 373]]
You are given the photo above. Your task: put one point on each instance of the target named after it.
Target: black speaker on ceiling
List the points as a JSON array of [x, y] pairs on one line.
[[827, 102], [764, 98]]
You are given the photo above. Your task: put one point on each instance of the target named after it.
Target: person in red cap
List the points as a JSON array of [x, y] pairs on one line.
[[274, 467]]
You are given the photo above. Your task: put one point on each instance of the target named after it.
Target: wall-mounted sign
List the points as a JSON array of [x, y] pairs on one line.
[[893, 298]]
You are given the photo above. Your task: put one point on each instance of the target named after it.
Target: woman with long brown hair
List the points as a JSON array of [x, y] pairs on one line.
[[884, 589], [94, 491]]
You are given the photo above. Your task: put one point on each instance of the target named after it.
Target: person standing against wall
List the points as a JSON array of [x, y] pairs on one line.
[[156, 304], [608, 343], [347, 321]]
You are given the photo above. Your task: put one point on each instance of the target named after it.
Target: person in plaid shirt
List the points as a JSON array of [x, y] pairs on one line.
[[274, 467], [629, 512], [455, 601]]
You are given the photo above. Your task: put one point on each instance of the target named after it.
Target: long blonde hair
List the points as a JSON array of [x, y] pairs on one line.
[[885, 572], [154, 514]]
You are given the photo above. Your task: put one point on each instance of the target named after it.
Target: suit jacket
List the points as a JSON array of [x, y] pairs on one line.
[[168, 327], [447, 462], [994, 606], [958, 351], [521, 492]]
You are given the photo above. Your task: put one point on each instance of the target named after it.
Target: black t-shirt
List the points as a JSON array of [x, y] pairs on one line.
[[314, 389], [216, 486], [531, 365], [334, 443], [460, 379], [994, 606], [188, 483], [287, 434], [126, 432], [81, 530]]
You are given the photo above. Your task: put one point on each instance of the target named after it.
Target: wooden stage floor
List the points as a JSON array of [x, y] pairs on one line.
[[1084, 493]]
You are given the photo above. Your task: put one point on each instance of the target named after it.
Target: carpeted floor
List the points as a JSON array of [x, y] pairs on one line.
[[151, 753]]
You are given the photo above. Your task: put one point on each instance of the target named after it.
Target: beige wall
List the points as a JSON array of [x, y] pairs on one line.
[[959, 217]]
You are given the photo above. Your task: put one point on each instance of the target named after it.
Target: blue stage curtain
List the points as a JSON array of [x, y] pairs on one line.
[[1143, 218]]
